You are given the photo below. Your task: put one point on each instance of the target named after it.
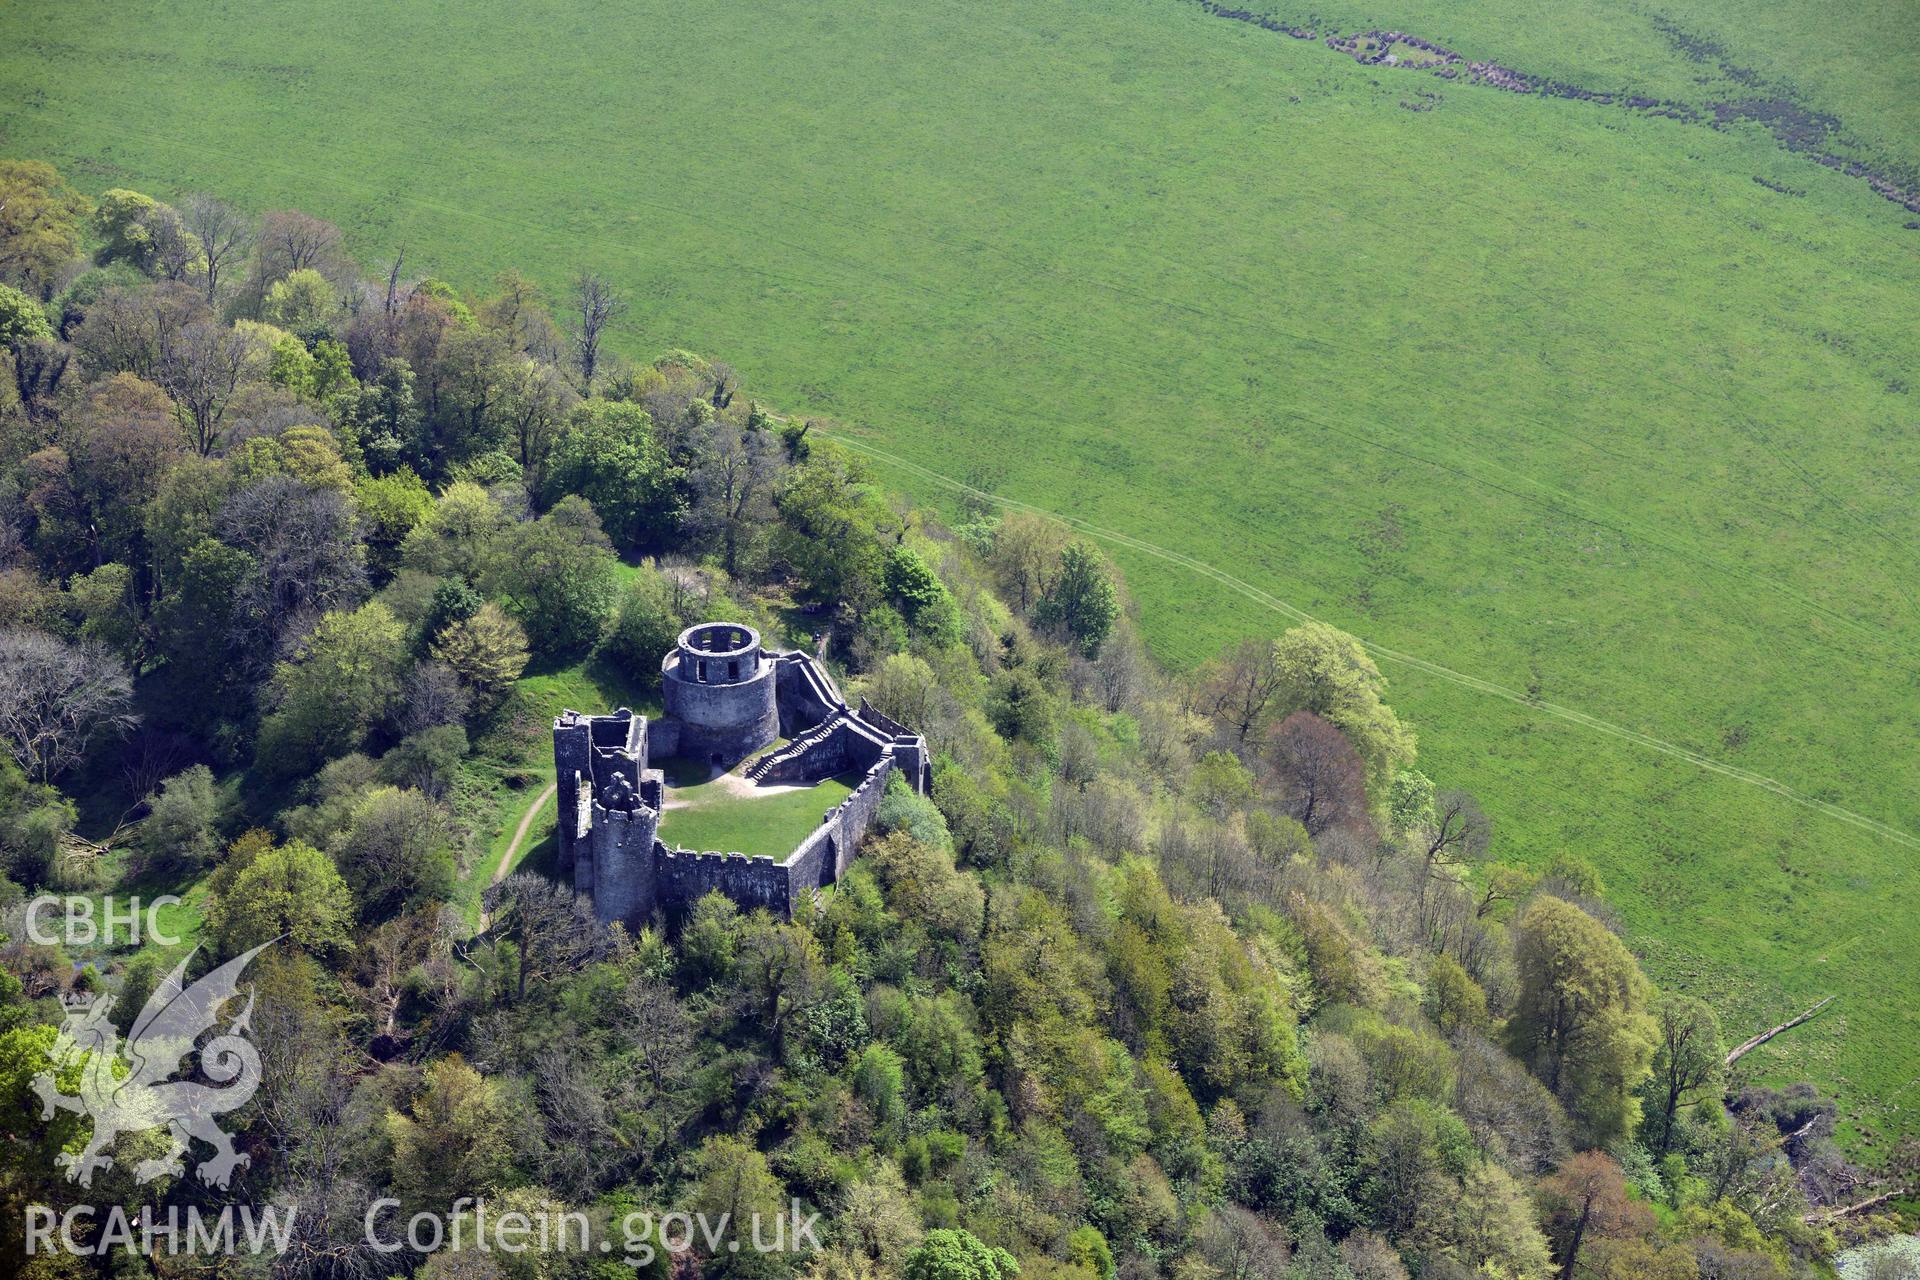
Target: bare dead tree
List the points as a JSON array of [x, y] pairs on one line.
[[1742, 1050], [553, 928], [293, 241], [1458, 832], [56, 698], [595, 306], [393, 282], [1236, 691], [224, 237], [200, 366]]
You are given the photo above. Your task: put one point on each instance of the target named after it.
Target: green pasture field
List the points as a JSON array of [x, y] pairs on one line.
[[1554, 395], [1853, 63]]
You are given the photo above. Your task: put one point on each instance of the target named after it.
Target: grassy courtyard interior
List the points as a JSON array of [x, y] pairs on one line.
[[728, 814]]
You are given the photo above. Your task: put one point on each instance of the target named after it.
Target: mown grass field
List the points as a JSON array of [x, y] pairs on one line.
[[1555, 395]]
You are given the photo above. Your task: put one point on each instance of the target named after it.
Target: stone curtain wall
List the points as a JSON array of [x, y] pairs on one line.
[[684, 877], [807, 696], [810, 861], [820, 753], [620, 862], [855, 814], [874, 716]]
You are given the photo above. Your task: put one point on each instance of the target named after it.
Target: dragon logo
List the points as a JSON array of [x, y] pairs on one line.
[[142, 1095]]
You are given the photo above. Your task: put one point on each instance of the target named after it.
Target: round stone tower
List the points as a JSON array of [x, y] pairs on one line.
[[720, 687]]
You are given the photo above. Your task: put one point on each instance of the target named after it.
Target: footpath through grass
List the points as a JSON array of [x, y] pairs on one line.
[[1553, 394], [513, 765]]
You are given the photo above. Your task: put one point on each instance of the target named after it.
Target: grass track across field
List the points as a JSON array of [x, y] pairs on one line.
[[1554, 399]]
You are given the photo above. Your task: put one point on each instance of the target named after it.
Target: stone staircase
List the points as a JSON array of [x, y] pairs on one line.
[[793, 751]]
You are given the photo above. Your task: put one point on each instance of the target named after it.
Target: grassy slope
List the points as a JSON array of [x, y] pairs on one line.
[[1553, 394], [1853, 62], [514, 764]]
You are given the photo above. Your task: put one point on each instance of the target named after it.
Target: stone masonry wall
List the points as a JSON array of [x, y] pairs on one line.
[[623, 882], [619, 861], [808, 760], [684, 877], [807, 696], [855, 814], [814, 862]]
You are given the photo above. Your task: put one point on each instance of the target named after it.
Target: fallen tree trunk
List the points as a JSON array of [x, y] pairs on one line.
[[1828, 1215], [1771, 1032]]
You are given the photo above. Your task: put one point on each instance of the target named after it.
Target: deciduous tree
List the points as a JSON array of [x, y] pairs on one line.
[[1025, 555], [1236, 691], [735, 1187], [1320, 779], [336, 688], [608, 455], [21, 319], [553, 928], [179, 831], [556, 575], [487, 650], [292, 891], [57, 698], [40, 222], [596, 304], [1580, 1021], [733, 476], [1325, 671], [224, 235], [1080, 600], [949, 1254], [201, 365], [452, 1141], [1587, 1199], [397, 852], [1686, 1062]]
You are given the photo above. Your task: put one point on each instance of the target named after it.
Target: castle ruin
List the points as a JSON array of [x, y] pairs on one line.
[[726, 698]]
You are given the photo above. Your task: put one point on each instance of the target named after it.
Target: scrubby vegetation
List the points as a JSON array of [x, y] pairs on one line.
[[1198, 978]]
